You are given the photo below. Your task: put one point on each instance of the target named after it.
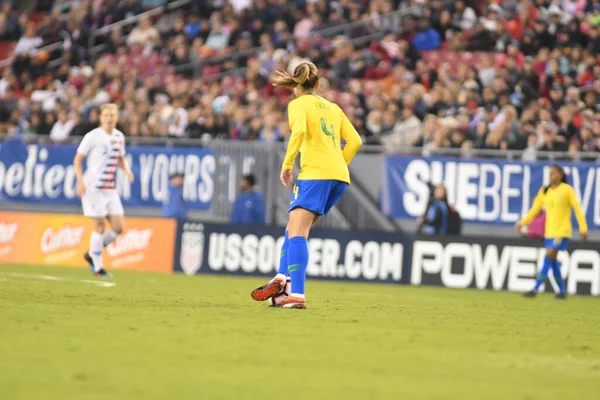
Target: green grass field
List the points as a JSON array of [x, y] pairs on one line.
[[177, 337]]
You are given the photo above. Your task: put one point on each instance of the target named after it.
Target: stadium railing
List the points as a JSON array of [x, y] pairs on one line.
[[51, 49], [105, 30], [367, 148], [56, 49], [325, 33], [376, 22], [357, 210]]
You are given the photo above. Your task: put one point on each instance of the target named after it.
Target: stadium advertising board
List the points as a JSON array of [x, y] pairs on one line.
[[486, 191], [458, 262], [496, 264], [61, 239], [255, 250], [44, 173]]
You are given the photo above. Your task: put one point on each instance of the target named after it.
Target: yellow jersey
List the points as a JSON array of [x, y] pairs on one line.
[[317, 128], [558, 202]]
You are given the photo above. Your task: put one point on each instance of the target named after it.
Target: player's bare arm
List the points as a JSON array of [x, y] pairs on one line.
[[287, 177], [124, 165], [78, 165]]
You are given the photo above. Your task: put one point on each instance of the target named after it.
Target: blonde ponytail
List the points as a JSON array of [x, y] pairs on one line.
[[305, 75]]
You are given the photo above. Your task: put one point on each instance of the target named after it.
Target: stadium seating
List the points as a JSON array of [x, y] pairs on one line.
[[535, 87]]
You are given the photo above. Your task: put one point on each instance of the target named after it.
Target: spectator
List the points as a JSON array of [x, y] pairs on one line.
[[249, 206], [62, 128], [128, 9], [530, 153], [436, 218], [270, 132], [240, 5], [144, 34], [174, 205], [29, 42], [406, 132], [464, 16], [179, 119], [34, 128], [303, 27], [481, 39], [114, 41], [10, 25], [82, 127], [427, 38], [465, 99], [218, 37]]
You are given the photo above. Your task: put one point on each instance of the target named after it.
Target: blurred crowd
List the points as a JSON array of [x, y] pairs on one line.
[[202, 71]]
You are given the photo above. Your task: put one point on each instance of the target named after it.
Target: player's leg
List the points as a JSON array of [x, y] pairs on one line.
[[94, 254], [299, 226], [283, 261], [549, 260], [114, 229], [312, 201], [562, 290], [323, 196], [309, 197], [283, 256], [95, 207], [277, 284], [115, 217]]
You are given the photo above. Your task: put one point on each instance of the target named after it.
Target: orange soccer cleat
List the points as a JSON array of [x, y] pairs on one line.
[[292, 302], [275, 286]]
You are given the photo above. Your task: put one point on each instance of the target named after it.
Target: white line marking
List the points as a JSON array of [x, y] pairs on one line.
[[51, 278], [55, 279], [99, 283]]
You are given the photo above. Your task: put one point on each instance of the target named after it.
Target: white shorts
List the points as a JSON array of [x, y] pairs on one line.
[[98, 203]]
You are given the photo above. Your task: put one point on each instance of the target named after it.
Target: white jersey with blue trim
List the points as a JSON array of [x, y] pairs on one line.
[[102, 151]]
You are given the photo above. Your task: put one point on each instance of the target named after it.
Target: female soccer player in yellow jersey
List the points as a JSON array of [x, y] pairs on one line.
[[317, 129], [558, 198]]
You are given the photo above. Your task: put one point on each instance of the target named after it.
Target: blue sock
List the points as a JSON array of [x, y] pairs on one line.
[[557, 276], [543, 273], [283, 258], [297, 263]]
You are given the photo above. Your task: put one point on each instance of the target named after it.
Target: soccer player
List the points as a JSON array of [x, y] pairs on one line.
[[558, 198], [317, 129], [104, 148]]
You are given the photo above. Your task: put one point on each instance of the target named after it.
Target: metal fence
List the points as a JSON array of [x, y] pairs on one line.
[[105, 30], [357, 33], [367, 148], [356, 210], [389, 22]]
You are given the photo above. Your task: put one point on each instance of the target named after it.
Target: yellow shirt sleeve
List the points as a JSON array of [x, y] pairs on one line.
[[297, 118], [351, 137], [536, 208], [583, 228]]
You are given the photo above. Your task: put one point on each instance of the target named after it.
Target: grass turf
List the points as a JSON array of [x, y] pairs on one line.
[[177, 337]]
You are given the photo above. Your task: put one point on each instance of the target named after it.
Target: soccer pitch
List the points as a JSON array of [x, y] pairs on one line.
[[153, 336]]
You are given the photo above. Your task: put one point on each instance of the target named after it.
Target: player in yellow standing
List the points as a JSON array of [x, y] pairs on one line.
[[558, 198], [317, 128]]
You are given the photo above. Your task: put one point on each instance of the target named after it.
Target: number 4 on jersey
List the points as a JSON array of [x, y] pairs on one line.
[[328, 132]]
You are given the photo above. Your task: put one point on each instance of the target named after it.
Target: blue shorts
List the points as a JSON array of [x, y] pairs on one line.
[[317, 196], [559, 244]]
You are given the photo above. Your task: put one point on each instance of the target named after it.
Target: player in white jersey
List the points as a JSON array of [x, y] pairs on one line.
[[104, 148]]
